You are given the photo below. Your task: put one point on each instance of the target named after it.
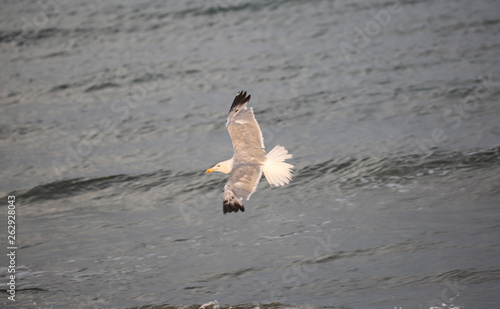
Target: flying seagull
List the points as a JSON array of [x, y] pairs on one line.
[[250, 159]]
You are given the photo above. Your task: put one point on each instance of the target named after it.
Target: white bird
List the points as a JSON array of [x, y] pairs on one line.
[[250, 159]]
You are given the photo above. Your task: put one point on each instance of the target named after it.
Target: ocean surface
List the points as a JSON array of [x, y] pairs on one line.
[[112, 111]]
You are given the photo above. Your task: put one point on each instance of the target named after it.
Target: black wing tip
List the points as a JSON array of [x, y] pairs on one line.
[[230, 206], [240, 99]]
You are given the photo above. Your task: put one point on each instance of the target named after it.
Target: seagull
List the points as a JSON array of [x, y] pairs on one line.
[[250, 159]]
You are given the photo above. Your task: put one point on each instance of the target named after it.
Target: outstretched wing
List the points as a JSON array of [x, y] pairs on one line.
[[244, 130], [249, 154], [241, 184]]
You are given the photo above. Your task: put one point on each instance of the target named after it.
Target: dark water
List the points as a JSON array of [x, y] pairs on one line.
[[111, 112]]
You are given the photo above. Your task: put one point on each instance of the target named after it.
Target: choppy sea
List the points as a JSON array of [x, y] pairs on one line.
[[112, 111]]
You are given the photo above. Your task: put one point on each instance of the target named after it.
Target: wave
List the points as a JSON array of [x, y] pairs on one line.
[[465, 276], [355, 172], [215, 305], [349, 172], [175, 182]]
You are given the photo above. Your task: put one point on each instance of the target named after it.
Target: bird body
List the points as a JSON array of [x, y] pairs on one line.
[[250, 159]]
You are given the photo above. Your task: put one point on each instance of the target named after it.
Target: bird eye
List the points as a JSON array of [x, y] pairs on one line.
[[218, 165]]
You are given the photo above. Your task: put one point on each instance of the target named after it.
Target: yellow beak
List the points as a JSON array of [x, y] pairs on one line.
[[209, 170]]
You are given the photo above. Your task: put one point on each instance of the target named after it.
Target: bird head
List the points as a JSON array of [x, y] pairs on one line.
[[223, 167]]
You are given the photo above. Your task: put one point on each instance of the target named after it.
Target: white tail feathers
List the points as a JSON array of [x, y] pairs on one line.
[[276, 170]]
